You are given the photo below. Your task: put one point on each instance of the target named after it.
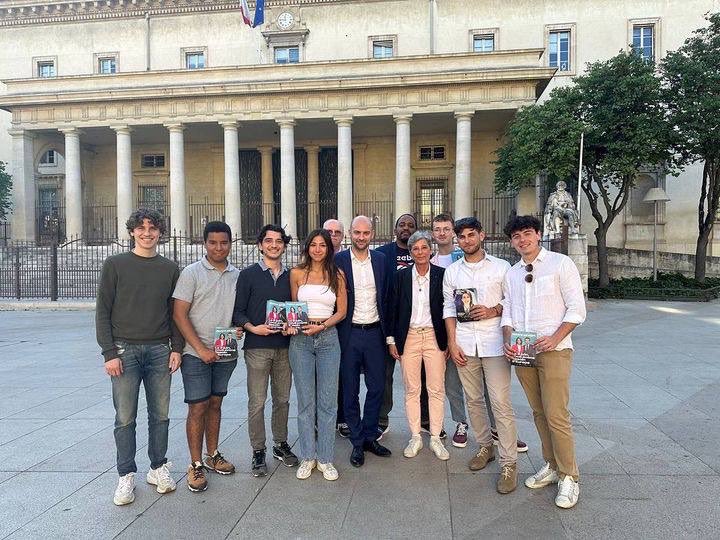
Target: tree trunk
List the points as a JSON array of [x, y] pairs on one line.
[[602, 255], [701, 253]]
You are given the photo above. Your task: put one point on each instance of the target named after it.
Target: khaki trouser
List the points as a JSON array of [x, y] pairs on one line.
[[265, 365], [547, 388], [495, 370], [421, 348]]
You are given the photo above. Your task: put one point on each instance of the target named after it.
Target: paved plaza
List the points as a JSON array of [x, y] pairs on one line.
[[645, 409]]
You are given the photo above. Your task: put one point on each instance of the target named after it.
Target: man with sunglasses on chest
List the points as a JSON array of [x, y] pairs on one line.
[[543, 294]]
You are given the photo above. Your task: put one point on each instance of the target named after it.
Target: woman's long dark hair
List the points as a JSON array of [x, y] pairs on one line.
[[330, 270]]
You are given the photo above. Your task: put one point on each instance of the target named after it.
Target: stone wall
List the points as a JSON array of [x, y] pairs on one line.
[[626, 263]]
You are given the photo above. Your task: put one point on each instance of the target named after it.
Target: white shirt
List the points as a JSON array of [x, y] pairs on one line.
[[477, 338], [554, 296], [420, 315], [366, 310]]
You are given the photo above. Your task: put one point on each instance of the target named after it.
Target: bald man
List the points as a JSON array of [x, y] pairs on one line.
[[362, 339]]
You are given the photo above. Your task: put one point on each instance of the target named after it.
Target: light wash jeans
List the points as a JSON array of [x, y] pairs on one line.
[[147, 364], [315, 362]]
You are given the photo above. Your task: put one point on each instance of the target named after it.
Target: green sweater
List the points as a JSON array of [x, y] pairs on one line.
[[134, 302]]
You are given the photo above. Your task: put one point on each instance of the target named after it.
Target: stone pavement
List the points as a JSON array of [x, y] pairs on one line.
[[646, 416]]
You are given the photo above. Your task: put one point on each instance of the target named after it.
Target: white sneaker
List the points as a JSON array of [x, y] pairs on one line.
[[413, 447], [329, 471], [568, 492], [439, 449], [544, 477], [305, 469], [125, 490], [161, 478]]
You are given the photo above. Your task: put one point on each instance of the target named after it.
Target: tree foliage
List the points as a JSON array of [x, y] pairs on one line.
[[5, 192], [691, 78], [617, 105]]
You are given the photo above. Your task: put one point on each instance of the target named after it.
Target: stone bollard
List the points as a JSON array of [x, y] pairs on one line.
[[578, 252]]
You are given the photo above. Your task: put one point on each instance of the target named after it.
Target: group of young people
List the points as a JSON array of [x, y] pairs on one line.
[[366, 310]]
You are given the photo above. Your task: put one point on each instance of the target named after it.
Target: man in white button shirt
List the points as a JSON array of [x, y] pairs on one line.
[[476, 347], [543, 294]]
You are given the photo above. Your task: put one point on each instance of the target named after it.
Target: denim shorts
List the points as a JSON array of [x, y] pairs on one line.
[[203, 380]]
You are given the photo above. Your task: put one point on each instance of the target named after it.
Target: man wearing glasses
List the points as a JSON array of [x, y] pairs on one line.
[[543, 294], [337, 233]]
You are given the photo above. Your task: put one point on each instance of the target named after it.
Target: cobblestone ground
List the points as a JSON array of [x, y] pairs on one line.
[[645, 409]]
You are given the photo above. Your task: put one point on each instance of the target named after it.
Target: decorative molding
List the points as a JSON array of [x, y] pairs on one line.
[[73, 12]]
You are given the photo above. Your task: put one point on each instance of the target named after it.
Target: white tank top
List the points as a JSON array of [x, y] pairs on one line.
[[320, 300]]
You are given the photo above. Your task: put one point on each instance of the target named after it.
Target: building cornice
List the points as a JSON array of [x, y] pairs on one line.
[[396, 86], [16, 13]]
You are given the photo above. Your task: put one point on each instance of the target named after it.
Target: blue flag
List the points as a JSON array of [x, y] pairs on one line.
[[259, 13]]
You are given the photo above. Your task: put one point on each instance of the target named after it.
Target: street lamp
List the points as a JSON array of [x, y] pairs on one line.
[[655, 195]]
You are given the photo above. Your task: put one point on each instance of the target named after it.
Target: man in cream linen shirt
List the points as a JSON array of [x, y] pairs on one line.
[[476, 347], [543, 294]]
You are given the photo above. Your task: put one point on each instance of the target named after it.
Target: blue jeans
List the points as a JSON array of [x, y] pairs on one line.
[[315, 362], [147, 364]]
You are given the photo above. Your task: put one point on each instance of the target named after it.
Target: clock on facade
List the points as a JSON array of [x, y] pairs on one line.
[[285, 20]]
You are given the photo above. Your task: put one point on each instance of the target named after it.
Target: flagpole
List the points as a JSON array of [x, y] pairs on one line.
[[580, 170]]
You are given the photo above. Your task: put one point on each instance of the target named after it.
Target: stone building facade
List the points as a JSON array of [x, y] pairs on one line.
[[330, 108]]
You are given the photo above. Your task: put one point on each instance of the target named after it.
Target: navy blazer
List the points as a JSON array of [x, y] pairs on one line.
[[401, 306], [382, 283]]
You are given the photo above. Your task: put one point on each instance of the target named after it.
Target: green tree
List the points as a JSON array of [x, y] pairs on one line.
[[5, 192], [617, 105], [691, 77]]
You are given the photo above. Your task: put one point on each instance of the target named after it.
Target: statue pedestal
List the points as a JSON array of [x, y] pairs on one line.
[[578, 252]]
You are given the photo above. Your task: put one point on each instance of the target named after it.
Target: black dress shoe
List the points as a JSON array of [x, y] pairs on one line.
[[357, 458], [376, 448]]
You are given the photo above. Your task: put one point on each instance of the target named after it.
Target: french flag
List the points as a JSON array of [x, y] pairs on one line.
[[259, 13]]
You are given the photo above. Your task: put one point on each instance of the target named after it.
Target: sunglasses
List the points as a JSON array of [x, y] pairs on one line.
[[529, 276]]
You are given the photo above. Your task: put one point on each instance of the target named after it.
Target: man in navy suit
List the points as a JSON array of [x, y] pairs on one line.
[[362, 339]]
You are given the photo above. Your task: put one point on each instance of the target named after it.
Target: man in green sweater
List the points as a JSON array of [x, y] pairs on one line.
[[140, 343]]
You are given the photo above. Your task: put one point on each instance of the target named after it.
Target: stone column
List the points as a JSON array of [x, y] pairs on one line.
[[73, 185], [124, 179], [266, 175], [178, 193], [345, 176], [313, 175], [403, 185], [463, 206], [288, 206], [23, 185], [232, 177]]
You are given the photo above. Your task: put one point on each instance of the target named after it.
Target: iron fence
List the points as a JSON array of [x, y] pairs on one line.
[[494, 212], [72, 269]]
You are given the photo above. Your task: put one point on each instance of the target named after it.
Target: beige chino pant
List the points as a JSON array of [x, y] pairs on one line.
[[421, 348], [547, 388]]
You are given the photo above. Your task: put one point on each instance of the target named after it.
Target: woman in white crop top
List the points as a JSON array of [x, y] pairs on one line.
[[315, 352]]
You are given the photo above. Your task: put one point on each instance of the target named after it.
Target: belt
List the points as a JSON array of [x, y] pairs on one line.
[[318, 323], [368, 326], [422, 329]]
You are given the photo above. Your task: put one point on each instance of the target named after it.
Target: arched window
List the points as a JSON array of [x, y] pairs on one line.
[[49, 158]]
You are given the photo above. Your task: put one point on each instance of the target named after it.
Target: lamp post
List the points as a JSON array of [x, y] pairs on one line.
[[655, 195]]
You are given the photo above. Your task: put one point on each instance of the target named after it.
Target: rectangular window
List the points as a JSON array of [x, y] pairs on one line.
[[287, 55], [46, 69], [432, 153], [483, 43], [153, 161], [107, 65], [195, 60], [643, 42], [383, 49], [48, 158], [559, 50]]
